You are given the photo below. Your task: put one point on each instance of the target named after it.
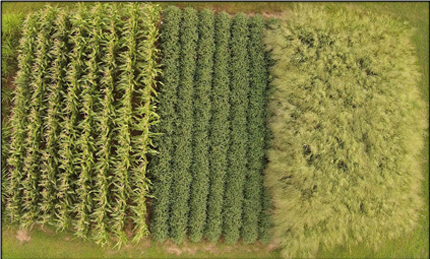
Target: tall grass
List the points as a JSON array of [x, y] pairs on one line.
[[347, 126]]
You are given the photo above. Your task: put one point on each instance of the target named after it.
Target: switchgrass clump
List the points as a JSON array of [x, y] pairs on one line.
[[347, 123]]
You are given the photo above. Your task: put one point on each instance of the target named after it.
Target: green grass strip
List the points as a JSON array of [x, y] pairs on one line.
[[219, 135], [239, 86], [183, 154], [19, 118], [160, 166], [202, 115]]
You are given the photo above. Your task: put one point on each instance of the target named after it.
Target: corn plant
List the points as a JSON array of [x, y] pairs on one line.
[[69, 163], [219, 130], [126, 87], [50, 160], [183, 137], [202, 112], [161, 164], [82, 125], [239, 86], [86, 142], [32, 195], [145, 115], [105, 118], [19, 118], [5, 172]]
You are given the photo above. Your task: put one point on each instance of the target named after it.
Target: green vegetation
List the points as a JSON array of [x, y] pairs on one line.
[[35, 130], [48, 244], [161, 166], [252, 204], [202, 106], [143, 128], [208, 175], [89, 29], [338, 98], [105, 159], [63, 178], [11, 25], [19, 122], [68, 151], [236, 171], [219, 132], [183, 155], [50, 158], [124, 122], [145, 115]]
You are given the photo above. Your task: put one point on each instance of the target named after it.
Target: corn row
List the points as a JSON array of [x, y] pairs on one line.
[[69, 163], [105, 159], [183, 153], [5, 172], [219, 136], [49, 159], [86, 142], [126, 87], [145, 115], [238, 146], [19, 118], [31, 169], [202, 105], [161, 164]]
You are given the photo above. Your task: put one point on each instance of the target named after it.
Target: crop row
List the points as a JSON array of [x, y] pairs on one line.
[[81, 127], [208, 174]]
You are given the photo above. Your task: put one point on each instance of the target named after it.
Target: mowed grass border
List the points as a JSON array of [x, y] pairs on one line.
[[413, 245]]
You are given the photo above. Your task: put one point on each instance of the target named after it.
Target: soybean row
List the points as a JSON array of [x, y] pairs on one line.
[[209, 182]]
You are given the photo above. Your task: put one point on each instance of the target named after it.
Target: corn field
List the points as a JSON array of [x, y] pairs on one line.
[[82, 122]]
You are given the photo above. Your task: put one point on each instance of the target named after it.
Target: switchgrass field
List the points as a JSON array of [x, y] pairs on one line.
[[48, 244], [347, 122]]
